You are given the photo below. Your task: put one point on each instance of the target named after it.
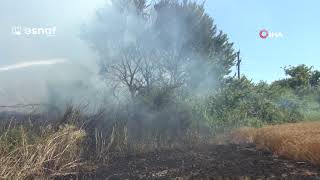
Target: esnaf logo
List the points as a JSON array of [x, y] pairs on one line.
[[34, 31], [264, 34]]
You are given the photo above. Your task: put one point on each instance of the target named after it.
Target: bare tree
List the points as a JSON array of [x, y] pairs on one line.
[[141, 71], [126, 70]]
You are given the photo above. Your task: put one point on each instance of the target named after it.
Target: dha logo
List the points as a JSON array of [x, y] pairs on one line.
[[264, 34]]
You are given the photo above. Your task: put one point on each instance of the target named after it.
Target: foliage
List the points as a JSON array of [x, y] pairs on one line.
[[159, 60], [243, 103], [300, 76], [165, 55]]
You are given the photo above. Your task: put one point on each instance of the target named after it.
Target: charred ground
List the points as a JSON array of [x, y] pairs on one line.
[[205, 162]]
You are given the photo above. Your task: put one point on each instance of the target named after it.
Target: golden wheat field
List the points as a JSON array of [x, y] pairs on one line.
[[299, 141]]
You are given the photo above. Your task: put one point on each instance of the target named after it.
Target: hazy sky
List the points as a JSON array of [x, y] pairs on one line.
[[30, 83], [66, 16], [241, 20]]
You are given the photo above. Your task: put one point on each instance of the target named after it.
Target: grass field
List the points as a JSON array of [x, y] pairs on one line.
[[298, 141], [26, 156], [61, 152]]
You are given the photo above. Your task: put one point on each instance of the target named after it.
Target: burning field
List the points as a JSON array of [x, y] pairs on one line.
[[51, 151], [207, 162], [273, 152]]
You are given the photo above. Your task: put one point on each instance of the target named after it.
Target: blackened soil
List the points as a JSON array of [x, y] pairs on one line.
[[206, 162]]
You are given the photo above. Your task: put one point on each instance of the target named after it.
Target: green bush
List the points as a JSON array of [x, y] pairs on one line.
[[243, 103]]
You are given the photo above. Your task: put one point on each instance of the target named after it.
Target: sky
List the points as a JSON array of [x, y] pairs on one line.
[[262, 59]]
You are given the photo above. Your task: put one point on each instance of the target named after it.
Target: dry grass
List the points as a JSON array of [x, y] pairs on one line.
[[52, 154], [299, 141]]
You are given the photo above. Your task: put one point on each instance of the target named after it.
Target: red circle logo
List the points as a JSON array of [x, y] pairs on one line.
[[264, 33]]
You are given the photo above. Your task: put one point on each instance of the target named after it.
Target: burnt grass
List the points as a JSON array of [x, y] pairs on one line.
[[205, 162]]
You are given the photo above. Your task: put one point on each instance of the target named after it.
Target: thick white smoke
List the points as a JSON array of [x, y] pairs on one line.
[[29, 68]]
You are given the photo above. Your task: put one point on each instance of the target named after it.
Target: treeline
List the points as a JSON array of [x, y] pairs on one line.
[[240, 102]]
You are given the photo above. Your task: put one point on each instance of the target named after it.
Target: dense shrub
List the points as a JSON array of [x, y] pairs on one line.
[[243, 103]]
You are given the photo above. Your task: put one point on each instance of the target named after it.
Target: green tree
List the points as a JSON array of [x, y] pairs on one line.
[[187, 28], [175, 46], [315, 78], [299, 75]]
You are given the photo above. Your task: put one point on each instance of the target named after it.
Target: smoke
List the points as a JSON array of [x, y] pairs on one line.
[[30, 73], [31, 64], [165, 37], [156, 57], [165, 57], [87, 49]]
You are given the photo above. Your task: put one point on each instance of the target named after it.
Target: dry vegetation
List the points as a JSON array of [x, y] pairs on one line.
[[54, 153], [69, 147], [299, 141]]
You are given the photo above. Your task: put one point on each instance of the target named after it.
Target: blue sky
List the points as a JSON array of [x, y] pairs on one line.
[[240, 19], [262, 59]]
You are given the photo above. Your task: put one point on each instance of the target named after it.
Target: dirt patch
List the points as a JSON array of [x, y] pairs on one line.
[[206, 162]]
